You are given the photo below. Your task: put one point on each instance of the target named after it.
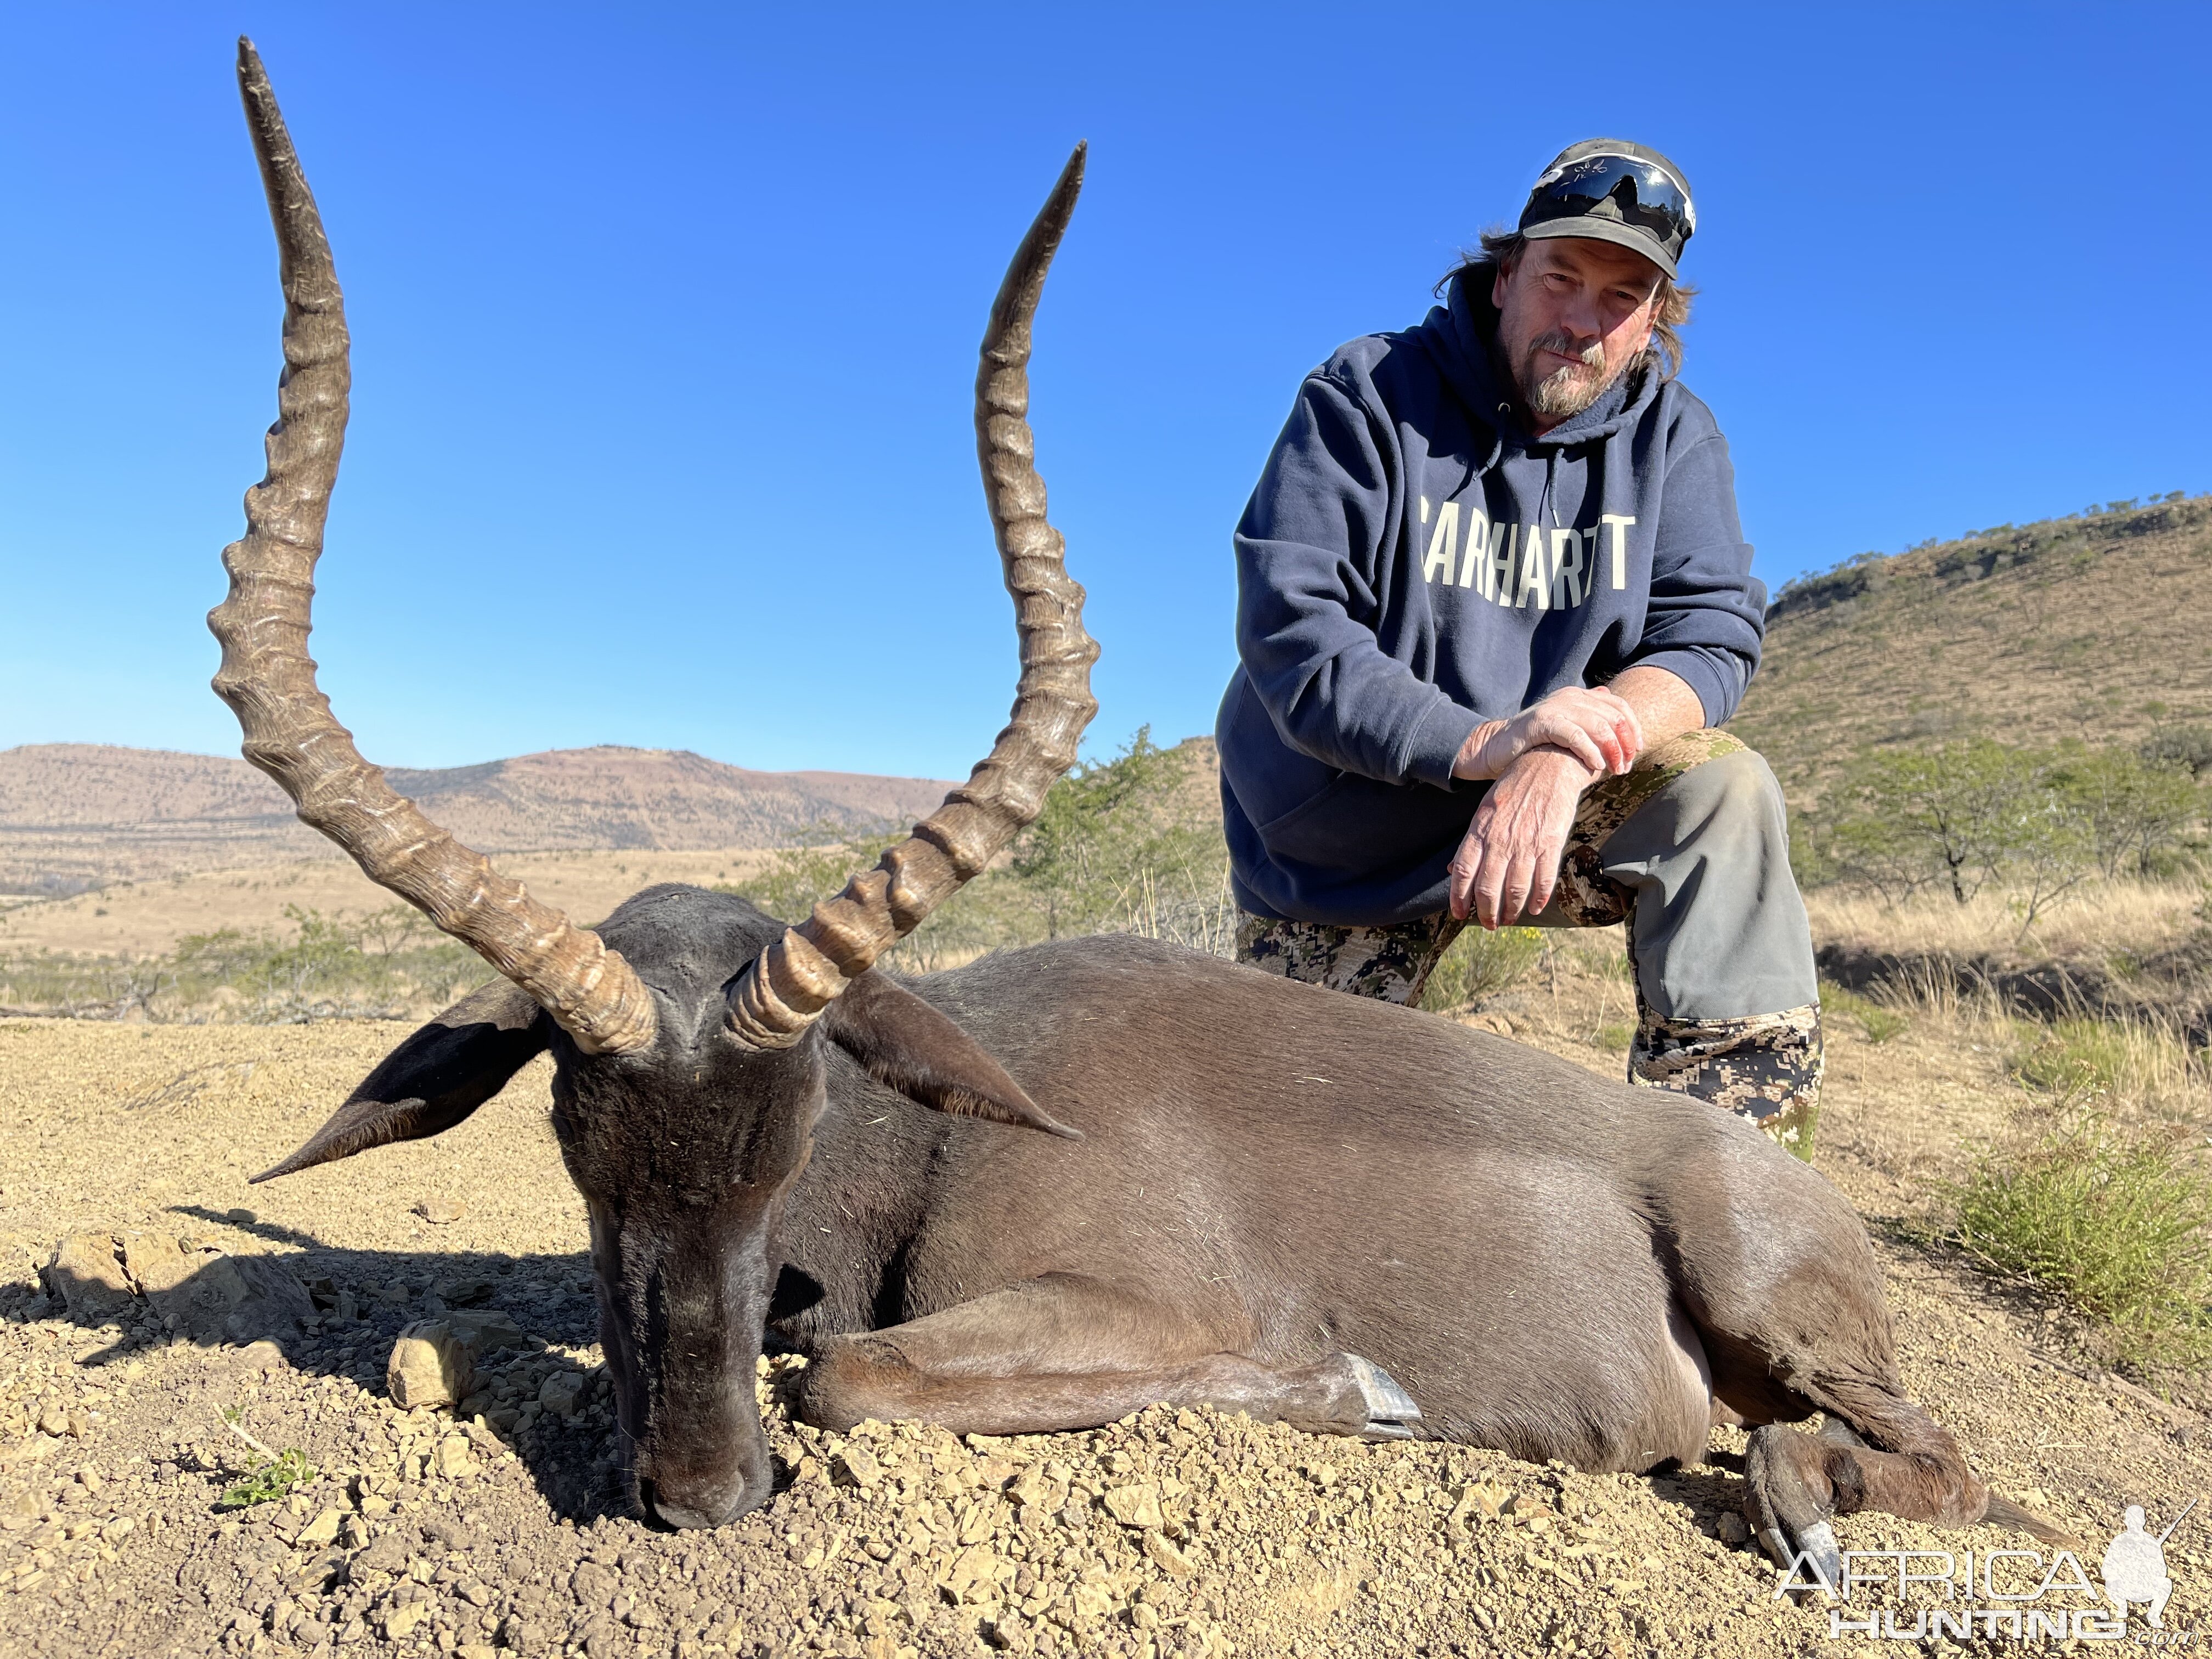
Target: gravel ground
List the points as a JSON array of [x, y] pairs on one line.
[[1173, 1533]]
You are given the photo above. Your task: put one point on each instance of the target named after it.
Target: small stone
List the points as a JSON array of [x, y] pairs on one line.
[[215, 1297], [241, 1217], [1734, 1530], [1165, 1556], [398, 1623], [87, 1273], [476, 1651], [856, 1466], [440, 1212], [560, 1392], [429, 1366], [485, 1330], [1093, 1601], [319, 1532], [1134, 1506], [454, 1459], [54, 1419], [387, 1554], [1482, 1497], [263, 1357]]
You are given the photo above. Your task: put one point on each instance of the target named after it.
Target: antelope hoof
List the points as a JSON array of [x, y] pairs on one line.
[[1391, 1412], [1787, 1502]]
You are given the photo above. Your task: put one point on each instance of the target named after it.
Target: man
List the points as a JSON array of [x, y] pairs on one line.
[[1493, 599]]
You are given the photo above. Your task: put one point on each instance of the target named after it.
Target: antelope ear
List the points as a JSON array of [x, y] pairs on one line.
[[908, 1045], [433, 1079]]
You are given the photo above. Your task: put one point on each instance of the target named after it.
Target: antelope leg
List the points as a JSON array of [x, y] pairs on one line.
[[1068, 1351]]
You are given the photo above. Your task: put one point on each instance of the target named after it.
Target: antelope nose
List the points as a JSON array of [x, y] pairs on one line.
[[706, 1507]]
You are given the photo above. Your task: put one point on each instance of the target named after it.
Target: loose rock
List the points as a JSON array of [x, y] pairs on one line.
[[560, 1392], [429, 1366]]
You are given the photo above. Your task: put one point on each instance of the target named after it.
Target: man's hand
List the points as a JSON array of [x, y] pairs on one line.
[[1597, 727], [1509, 862]]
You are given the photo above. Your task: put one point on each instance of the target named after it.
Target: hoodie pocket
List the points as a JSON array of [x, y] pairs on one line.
[[1274, 782], [1281, 831]]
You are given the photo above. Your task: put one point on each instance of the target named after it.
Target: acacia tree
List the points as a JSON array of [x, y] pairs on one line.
[[2133, 807], [1915, 819]]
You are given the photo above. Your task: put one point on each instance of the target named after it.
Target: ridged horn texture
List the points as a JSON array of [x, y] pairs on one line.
[[268, 680], [785, 989]]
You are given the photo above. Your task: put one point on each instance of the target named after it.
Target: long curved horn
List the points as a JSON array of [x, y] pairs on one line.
[[785, 989], [268, 680]]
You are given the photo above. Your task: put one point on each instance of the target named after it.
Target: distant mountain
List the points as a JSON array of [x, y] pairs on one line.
[[75, 815], [2091, 627]]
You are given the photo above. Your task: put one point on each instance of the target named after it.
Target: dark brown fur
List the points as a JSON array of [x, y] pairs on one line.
[[1268, 1179]]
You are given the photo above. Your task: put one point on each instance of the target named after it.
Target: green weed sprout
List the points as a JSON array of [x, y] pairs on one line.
[[272, 1474]]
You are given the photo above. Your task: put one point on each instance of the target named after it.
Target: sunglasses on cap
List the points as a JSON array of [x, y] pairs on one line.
[[1637, 196]]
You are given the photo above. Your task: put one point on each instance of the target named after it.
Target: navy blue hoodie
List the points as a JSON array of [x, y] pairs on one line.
[[1413, 562]]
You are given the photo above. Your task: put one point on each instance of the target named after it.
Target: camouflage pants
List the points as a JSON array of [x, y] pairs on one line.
[[1765, 1066]]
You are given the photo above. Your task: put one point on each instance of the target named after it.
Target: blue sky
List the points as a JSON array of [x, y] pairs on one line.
[[664, 323]]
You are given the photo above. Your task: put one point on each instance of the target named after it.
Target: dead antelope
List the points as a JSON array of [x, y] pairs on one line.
[[1046, 1189]]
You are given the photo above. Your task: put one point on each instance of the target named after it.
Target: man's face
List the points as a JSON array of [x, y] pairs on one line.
[[1571, 313]]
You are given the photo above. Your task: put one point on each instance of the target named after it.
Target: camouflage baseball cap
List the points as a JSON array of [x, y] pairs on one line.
[[1612, 191]]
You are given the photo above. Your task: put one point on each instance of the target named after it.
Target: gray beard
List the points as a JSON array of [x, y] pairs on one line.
[[1566, 390]]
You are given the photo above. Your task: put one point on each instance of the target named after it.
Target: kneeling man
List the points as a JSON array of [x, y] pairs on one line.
[[1493, 600]]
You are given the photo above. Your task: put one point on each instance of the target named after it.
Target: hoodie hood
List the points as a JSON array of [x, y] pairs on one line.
[[1463, 332]]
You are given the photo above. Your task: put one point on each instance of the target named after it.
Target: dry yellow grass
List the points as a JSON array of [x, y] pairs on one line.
[[148, 918], [2097, 923], [1911, 1108]]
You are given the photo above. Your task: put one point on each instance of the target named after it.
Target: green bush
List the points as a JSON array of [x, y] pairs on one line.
[[2073, 1058], [2118, 1223], [1117, 848], [1880, 1024], [1480, 965], [2037, 822]]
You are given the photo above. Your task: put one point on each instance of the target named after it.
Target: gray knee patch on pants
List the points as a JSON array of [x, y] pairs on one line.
[[1718, 928]]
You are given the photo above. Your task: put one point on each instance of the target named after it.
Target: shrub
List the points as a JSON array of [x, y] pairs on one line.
[[1115, 849], [2074, 1057], [375, 967], [2180, 745], [2115, 1223], [1880, 1024], [1480, 964], [2132, 807]]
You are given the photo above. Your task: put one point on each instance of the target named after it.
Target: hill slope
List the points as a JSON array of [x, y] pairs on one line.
[[2090, 627], [79, 815]]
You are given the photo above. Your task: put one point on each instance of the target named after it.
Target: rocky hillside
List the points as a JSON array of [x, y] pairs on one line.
[[2089, 627], [74, 816]]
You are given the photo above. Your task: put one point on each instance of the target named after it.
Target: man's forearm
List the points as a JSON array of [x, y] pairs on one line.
[[1665, 705]]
